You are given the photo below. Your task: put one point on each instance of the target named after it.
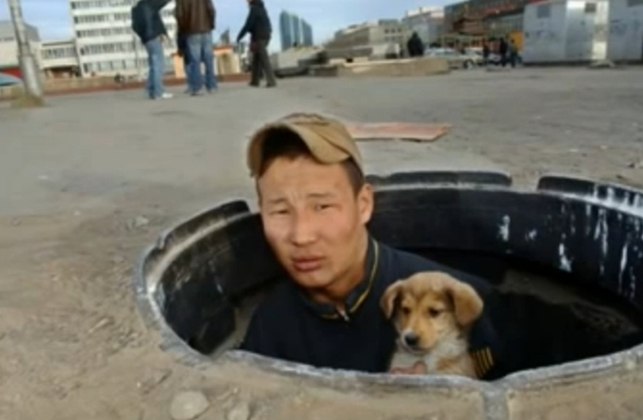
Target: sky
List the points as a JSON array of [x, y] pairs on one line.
[[52, 17]]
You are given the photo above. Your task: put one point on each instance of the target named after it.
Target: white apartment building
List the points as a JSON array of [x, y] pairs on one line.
[[9, 45], [105, 41], [383, 31], [60, 58]]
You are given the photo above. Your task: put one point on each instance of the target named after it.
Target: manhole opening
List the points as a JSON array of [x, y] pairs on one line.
[[566, 262], [558, 317]]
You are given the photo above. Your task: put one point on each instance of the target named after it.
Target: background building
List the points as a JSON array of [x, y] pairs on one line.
[[294, 31], [480, 17], [427, 22], [625, 39], [565, 31], [60, 59], [385, 31], [369, 41], [9, 47], [105, 42]]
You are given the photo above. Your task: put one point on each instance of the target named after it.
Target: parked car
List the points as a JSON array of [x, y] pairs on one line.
[[9, 80], [456, 59]]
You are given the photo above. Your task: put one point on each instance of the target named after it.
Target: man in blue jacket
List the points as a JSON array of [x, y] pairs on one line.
[[148, 25], [196, 21], [315, 205]]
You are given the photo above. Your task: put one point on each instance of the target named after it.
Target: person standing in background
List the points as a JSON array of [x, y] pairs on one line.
[[148, 25], [182, 50], [196, 21], [260, 29], [504, 50], [513, 53], [486, 52], [415, 46]]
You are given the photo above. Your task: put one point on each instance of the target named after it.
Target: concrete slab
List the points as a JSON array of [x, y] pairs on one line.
[[385, 68]]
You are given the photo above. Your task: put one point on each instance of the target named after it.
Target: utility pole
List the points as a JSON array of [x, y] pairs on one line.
[[28, 67]]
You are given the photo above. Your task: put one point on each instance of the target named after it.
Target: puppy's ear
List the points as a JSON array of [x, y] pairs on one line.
[[387, 303], [466, 301]]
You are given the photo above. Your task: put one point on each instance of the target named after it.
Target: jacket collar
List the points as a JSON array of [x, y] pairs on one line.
[[358, 296]]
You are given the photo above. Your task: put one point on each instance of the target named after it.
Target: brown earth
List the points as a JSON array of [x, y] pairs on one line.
[[87, 182]]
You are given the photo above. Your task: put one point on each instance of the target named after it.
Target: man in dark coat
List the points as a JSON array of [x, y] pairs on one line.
[[503, 49], [415, 46], [260, 30], [148, 25]]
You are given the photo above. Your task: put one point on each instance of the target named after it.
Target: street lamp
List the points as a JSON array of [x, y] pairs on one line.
[[27, 61]]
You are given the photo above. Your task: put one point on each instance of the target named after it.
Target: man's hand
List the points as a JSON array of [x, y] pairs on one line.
[[419, 368]]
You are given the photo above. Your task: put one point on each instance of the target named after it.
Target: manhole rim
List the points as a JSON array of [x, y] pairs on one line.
[[617, 362]]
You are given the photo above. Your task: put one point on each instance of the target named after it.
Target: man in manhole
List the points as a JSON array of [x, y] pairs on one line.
[[315, 205]]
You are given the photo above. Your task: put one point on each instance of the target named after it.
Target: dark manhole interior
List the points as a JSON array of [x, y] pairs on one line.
[[564, 260]]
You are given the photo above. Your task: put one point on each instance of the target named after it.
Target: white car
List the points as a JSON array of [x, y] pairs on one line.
[[456, 60]]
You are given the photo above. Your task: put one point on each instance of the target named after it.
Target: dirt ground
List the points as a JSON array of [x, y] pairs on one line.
[[89, 181]]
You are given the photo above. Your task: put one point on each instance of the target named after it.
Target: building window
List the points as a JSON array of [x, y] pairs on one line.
[[634, 3], [590, 7], [544, 11]]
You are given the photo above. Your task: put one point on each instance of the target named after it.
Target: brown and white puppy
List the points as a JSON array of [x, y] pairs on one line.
[[433, 313]]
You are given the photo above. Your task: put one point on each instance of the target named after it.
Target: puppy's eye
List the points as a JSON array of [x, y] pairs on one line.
[[434, 312], [406, 310]]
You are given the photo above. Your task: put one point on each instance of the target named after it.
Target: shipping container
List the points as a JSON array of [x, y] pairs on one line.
[[626, 30], [571, 31]]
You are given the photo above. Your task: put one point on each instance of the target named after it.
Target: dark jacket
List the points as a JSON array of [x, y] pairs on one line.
[[257, 24], [195, 16], [504, 47], [415, 46], [289, 326], [146, 19]]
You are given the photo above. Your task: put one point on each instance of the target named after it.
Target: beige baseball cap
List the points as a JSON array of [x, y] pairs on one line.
[[327, 139]]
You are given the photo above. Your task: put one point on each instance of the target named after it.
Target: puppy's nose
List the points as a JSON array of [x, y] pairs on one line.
[[411, 339]]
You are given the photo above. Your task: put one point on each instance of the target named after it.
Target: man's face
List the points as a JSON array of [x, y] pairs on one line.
[[313, 220]]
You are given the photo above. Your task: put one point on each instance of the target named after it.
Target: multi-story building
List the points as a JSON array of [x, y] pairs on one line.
[[427, 22], [60, 59], [625, 39], [307, 34], [485, 17], [566, 31], [385, 31], [107, 45], [9, 46], [294, 31]]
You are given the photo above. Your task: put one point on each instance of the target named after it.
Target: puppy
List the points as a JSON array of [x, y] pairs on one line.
[[432, 313]]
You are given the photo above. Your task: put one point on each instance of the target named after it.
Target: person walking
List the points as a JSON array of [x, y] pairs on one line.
[[196, 21], [513, 54], [486, 52], [148, 25], [503, 50], [260, 29], [415, 46]]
